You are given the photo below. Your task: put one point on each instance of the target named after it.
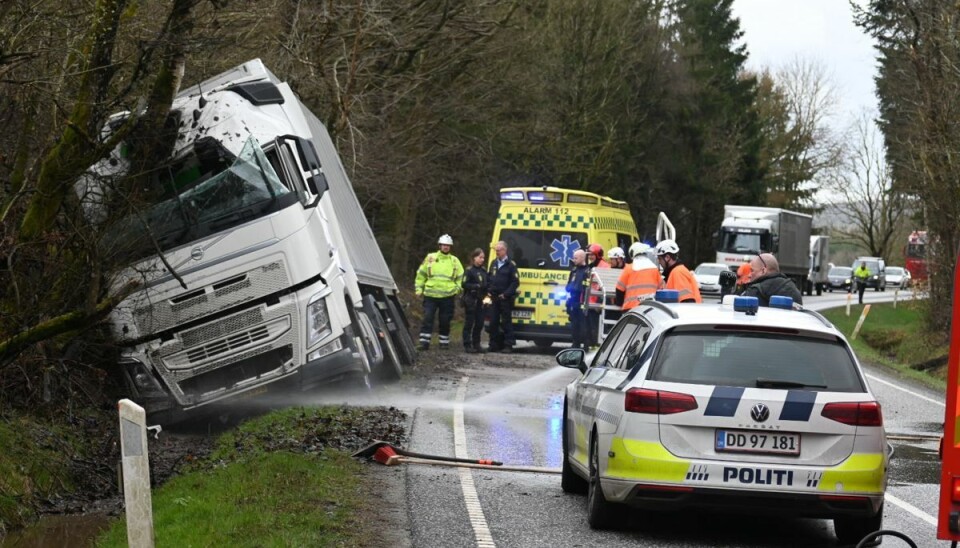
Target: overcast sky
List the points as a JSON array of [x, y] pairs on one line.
[[777, 31]]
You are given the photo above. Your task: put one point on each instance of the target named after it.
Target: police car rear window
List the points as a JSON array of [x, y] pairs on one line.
[[759, 360]]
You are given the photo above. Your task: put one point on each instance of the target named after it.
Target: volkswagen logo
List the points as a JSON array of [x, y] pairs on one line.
[[760, 412], [196, 253]]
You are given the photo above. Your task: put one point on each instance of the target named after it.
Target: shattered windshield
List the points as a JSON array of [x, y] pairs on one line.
[[203, 193]]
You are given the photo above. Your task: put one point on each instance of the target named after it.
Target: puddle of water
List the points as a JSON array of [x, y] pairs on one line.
[[56, 531], [912, 464]]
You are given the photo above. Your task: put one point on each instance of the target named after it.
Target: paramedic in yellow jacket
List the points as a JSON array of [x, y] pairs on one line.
[[438, 281]]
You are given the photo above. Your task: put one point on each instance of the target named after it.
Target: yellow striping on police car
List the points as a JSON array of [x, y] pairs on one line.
[[726, 405]]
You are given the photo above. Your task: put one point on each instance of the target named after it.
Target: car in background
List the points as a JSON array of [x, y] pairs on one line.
[[878, 272], [897, 276], [840, 277], [758, 410], [708, 277]]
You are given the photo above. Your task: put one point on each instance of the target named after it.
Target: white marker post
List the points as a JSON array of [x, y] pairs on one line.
[[896, 295], [863, 316], [136, 474], [849, 298]]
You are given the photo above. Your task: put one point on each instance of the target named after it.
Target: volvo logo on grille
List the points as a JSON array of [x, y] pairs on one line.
[[760, 412], [196, 253]]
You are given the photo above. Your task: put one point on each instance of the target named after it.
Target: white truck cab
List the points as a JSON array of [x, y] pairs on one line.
[[255, 262]]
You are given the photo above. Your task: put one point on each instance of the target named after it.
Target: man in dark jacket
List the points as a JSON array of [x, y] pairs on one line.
[[767, 281], [502, 284], [575, 285]]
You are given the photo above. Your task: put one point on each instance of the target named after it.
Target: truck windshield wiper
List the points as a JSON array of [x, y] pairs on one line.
[[771, 383]]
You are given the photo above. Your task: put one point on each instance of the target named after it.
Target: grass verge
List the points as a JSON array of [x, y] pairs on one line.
[[276, 480], [896, 337]]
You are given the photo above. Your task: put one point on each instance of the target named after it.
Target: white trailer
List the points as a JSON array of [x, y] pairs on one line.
[[819, 264], [257, 266]]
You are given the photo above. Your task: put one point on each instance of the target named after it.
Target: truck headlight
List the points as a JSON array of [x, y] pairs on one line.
[[318, 320], [144, 382]]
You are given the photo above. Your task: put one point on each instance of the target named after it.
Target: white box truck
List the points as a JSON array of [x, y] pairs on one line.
[[747, 231], [257, 267]]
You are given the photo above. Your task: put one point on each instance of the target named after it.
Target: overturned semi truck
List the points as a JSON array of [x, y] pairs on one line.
[[256, 266]]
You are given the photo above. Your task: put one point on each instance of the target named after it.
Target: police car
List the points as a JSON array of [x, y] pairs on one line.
[[726, 406]]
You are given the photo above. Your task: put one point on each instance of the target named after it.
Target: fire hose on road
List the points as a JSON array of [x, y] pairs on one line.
[[390, 455]]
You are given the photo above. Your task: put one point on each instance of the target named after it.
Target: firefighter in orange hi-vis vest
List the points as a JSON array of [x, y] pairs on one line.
[[639, 278], [677, 275]]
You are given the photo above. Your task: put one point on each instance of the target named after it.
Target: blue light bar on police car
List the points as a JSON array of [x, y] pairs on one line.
[[668, 296], [781, 302], [750, 305]]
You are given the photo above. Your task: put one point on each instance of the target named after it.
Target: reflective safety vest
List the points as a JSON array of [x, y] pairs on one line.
[[636, 282], [683, 281], [439, 275]]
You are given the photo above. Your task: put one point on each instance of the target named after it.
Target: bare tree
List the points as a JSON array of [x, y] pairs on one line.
[[872, 209]]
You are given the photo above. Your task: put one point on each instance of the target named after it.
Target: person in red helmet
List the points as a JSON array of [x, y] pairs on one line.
[[594, 260]]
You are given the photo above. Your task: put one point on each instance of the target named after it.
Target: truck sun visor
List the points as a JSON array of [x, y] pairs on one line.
[[259, 93]]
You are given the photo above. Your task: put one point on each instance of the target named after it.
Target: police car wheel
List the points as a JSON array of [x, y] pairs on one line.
[[851, 530], [599, 511], [570, 482]]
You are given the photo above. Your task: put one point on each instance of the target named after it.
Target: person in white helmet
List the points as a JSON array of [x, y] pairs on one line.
[[438, 282], [639, 278], [677, 275], [616, 257]]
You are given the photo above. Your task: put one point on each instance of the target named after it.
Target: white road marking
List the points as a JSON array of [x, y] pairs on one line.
[[902, 389], [912, 509], [474, 510]]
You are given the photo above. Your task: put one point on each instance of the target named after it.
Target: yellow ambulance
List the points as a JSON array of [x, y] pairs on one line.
[[542, 227]]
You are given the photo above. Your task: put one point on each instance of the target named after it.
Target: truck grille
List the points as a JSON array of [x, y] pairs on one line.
[[236, 341], [153, 313], [228, 376]]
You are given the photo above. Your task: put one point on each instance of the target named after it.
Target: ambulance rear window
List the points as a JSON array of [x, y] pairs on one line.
[[543, 249], [756, 360], [544, 196], [580, 199]]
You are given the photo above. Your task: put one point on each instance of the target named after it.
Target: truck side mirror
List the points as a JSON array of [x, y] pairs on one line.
[[318, 184]]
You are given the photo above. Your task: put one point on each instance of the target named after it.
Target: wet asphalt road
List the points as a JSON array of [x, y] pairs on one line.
[[512, 413]]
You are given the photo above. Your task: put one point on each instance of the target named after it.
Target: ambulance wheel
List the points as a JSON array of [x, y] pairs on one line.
[[599, 510], [570, 482], [543, 344], [850, 530]]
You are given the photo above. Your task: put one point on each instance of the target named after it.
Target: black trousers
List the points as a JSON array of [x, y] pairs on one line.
[[501, 324], [472, 325], [861, 287], [578, 327], [431, 306]]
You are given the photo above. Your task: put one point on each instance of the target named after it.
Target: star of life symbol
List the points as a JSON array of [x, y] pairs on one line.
[[563, 250]]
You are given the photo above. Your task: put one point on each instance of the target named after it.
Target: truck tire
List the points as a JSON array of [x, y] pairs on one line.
[[391, 367], [403, 342]]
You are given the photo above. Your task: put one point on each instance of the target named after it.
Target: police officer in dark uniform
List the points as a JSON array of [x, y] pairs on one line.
[[502, 285], [576, 284], [474, 290]]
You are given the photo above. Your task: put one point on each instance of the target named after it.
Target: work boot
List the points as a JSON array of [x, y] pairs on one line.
[[424, 347], [507, 350], [444, 346], [469, 350]]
